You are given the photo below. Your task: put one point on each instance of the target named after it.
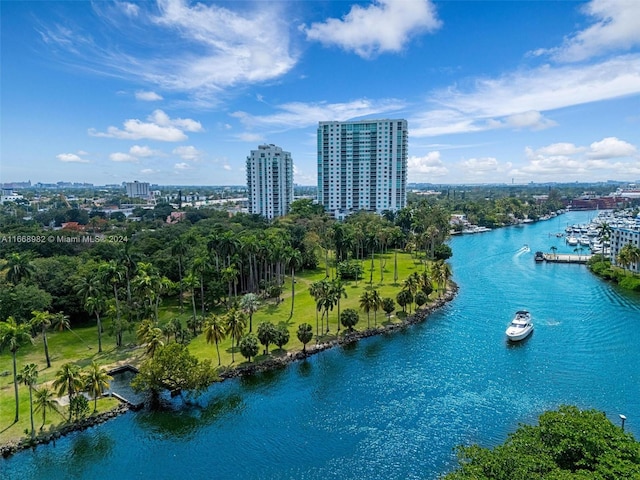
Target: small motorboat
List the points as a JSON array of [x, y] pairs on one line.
[[520, 327], [539, 257]]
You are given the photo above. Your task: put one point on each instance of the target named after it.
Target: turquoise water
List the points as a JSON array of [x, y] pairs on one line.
[[395, 406]]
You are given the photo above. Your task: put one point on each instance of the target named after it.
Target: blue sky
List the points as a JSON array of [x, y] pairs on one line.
[[179, 92]]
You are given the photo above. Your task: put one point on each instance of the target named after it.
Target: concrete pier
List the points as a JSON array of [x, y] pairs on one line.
[[566, 258]]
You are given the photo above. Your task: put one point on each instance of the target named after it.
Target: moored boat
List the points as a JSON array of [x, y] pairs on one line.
[[520, 327]]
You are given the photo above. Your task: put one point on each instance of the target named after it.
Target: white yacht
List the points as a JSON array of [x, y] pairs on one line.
[[520, 327]]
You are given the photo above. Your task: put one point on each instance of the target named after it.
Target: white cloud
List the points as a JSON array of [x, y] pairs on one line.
[[71, 158], [236, 47], [190, 153], [426, 168], [519, 99], [122, 157], [142, 151], [481, 166], [182, 166], [148, 171], [199, 49], [129, 9], [250, 137], [158, 127], [562, 148], [301, 178], [566, 160], [611, 147], [383, 26], [300, 115], [531, 119], [547, 88], [148, 96], [227, 167], [615, 29]]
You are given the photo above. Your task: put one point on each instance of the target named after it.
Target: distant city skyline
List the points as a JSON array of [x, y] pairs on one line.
[[176, 92]]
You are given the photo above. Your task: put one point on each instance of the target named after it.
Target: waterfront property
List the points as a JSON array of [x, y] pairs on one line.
[[269, 181], [362, 165], [393, 406]]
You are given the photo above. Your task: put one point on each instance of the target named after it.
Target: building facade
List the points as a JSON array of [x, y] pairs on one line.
[[269, 181], [362, 165], [137, 189], [621, 236]]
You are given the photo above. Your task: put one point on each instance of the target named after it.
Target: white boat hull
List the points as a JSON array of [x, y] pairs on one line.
[[519, 335]]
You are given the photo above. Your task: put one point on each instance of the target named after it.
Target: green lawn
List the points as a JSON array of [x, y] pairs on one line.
[[81, 345]]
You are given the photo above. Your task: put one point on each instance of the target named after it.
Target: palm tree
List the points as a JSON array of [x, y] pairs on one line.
[[230, 275], [144, 285], [404, 298], [249, 304], [604, 233], [28, 376], [411, 283], [19, 267], [95, 305], [304, 334], [68, 381], [338, 291], [214, 332], [327, 299], [314, 291], [96, 381], [235, 325], [43, 320], [112, 273], [376, 304], [60, 322], [554, 249], [89, 289], [12, 336], [366, 304], [179, 249], [294, 260], [628, 255], [441, 273], [199, 267], [151, 336], [45, 400], [192, 282]]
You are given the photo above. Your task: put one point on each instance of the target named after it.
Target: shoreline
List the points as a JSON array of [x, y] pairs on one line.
[[12, 447]]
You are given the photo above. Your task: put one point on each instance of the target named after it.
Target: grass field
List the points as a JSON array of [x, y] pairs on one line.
[[81, 344]]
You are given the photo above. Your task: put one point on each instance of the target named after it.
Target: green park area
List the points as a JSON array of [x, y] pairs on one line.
[[394, 275]]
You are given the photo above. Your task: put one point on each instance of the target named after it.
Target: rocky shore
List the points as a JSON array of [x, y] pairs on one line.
[[279, 362], [12, 447], [351, 337]]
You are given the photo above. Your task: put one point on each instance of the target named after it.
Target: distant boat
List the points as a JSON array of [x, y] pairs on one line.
[[539, 257], [573, 241], [520, 327]]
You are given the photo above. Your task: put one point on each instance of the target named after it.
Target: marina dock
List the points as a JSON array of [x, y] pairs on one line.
[[565, 258]]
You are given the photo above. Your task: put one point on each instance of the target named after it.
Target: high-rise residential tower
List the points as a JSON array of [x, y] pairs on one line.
[[137, 189], [362, 165], [270, 181]]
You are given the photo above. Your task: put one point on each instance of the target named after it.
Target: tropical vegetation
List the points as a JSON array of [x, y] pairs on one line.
[[568, 443]]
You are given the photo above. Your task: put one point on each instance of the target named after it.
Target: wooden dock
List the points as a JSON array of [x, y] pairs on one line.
[[565, 258]]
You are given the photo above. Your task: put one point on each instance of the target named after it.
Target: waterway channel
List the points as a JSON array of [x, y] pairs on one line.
[[394, 406]]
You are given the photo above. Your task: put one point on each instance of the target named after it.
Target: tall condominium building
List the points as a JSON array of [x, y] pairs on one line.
[[270, 181], [137, 189], [362, 165]]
